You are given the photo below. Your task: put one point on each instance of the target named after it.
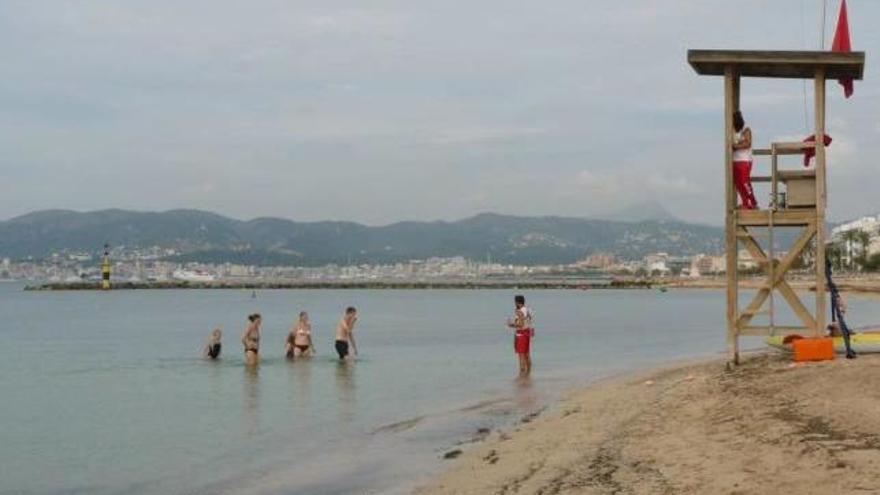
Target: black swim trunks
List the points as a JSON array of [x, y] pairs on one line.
[[342, 348]]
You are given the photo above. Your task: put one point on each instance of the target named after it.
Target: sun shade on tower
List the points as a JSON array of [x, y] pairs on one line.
[[778, 64]]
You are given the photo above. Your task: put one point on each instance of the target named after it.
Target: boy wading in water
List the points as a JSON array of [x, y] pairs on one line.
[[345, 334], [523, 333]]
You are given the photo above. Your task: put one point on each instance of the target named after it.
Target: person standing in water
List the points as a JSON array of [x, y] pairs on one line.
[[521, 323], [345, 334], [212, 347], [250, 338], [742, 162], [299, 340]]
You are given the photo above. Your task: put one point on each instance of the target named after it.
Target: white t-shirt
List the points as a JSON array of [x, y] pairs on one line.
[[741, 155]]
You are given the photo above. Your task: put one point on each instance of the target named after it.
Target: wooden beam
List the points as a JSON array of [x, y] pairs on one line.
[[776, 277], [799, 309], [763, 293], [764, 330], [752, 309], [783, 218], [788, 260], [785, 148], [731, 102], [785, 175], [786, 64], [819, 93]]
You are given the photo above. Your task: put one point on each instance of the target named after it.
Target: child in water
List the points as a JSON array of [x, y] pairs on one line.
[[213, 346]]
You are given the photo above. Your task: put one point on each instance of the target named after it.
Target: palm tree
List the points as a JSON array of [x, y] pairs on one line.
[[834, 255], [849, 240], [863, 239]]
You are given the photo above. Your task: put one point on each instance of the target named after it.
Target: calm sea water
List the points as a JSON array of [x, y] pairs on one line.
[[105, 392]]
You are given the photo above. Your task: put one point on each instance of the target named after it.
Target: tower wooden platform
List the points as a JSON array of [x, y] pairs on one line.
[[798, 196]]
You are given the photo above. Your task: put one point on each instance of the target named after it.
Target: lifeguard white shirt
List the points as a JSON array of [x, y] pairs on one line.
[[741, 155]]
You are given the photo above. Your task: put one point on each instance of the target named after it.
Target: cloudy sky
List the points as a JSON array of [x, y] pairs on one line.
[[382, 111]]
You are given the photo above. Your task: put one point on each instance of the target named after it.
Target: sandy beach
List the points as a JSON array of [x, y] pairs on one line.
[[768, 426]]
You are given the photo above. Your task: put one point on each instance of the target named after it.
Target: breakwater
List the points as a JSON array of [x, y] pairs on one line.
[[583, 284]]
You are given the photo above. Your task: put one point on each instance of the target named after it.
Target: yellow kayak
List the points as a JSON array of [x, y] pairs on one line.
[[862, 342]]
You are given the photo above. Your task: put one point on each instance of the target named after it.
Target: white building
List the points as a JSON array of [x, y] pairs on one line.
[[746, 262], [852, 248], [871, 225], [657, 262]]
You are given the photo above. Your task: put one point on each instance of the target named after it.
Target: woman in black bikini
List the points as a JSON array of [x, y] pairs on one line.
[[251, 339], [299, 340]]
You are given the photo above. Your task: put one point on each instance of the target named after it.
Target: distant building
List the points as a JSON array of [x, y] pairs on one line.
[[678, 264], [746, 261], [657, 262], [601, 261], [853, 247], [870, 225], [704, 264]]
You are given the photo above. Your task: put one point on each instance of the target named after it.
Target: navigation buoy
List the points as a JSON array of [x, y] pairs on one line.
[[105, 268]]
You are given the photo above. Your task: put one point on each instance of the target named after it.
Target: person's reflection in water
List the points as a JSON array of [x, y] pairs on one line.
[[251, 400], [526, 395], [345, 389], [302, 386], [215, 377]]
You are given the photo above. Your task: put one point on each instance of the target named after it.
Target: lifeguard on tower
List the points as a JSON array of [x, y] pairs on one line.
[[797, 195]]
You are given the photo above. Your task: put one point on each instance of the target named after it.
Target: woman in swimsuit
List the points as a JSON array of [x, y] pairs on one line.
[[299, 340], [251, 339], [213, 346]]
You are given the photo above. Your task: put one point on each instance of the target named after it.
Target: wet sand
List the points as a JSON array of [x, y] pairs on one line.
[[768, 426]]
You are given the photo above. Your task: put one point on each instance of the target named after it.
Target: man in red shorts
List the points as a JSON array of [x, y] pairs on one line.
[[523, 333]]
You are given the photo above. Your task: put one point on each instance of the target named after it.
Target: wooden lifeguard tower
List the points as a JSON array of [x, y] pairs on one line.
[[797, 198]]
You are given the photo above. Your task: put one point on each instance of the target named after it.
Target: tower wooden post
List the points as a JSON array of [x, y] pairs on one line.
[[821, 199], [731, 105]]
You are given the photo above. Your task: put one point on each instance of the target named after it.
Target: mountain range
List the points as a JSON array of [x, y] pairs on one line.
[[209, 237]]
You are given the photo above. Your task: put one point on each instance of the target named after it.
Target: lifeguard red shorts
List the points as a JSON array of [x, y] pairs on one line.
[[522, 341]]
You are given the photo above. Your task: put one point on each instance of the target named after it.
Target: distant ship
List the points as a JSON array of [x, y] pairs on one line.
[[193, 276]]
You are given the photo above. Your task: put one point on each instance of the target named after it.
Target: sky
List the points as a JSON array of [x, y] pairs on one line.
[[383, 111]]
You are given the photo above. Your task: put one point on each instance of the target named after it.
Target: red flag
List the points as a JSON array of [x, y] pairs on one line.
[[841, 43]]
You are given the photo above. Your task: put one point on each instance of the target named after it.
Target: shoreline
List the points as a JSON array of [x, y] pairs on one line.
[[690, 427]]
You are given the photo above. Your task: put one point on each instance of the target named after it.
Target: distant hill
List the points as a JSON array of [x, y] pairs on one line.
[[204, 236], [642, 212]]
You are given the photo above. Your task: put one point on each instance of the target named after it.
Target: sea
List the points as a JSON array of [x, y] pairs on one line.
[[106, 392]]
